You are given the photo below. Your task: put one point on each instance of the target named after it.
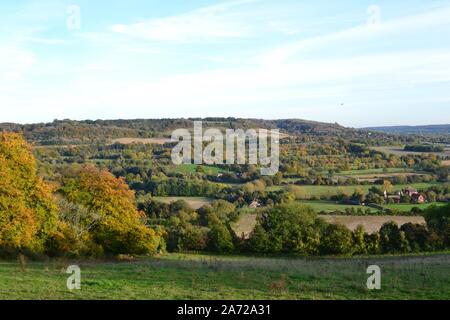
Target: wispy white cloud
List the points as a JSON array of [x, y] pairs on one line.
[[115, 72], [362, 33], [209, 23]]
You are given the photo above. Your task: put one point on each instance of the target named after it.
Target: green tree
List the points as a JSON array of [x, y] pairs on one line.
[[438, 220], [337, 239], [393, 240], [219, 236]]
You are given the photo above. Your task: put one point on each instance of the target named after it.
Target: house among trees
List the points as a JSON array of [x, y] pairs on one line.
[[416, 197]]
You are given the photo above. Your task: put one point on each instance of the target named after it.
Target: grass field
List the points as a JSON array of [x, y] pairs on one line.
[[375, 171], [194, 202], [191, 168], [312, 190], [408, 207], [176, 276], [329, 206]]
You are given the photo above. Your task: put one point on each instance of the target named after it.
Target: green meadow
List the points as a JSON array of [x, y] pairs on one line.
[[189, 276]]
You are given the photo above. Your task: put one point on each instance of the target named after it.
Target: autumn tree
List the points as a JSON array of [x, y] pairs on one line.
[[120, 227], [28, 214]]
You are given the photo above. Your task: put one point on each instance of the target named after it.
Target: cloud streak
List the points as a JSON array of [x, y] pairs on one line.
[[210, 23]]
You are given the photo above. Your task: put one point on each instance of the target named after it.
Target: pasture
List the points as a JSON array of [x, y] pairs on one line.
[[192, 168], [330, 206], [313, 191], [407, 207], [374, 171], [187, 276]]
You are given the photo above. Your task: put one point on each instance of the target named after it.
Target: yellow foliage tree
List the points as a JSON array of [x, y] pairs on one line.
[[120, 228], [28, 214]]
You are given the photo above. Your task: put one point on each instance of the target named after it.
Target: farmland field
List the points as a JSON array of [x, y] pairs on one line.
[[141, 140], [408, 207], [245, 225], [191, 168], [194, 202], [399, 151], [176, 276], [329, 206], [370, 223], [318, 191], [375, 171]]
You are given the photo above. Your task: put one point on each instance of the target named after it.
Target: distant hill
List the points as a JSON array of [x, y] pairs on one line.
[[69, 131], [430, 129]]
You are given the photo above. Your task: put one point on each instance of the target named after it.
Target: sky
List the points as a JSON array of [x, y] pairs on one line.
[[353, 62]]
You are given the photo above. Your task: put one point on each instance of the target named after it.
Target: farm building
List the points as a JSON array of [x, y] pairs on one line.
[[418, 198]]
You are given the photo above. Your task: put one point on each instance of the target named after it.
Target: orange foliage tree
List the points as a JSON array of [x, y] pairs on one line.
[[120, 227], [28, 214]]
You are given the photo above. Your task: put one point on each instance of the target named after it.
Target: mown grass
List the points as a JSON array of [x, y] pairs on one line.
[[177, 276]]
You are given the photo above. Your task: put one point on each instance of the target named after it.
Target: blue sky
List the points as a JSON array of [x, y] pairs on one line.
[[358, 63]]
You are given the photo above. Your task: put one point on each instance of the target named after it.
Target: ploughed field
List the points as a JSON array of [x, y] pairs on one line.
[[371, 224], [175, 276], [399, 150]]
